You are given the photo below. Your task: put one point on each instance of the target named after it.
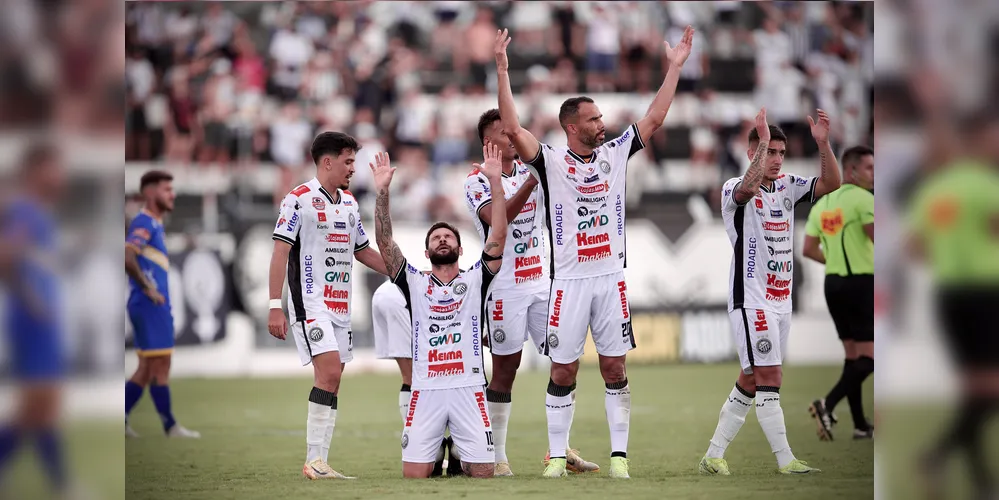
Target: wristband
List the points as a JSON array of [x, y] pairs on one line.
[[275, 304]]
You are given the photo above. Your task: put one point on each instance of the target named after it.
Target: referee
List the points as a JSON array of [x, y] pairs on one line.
[[843, 222]]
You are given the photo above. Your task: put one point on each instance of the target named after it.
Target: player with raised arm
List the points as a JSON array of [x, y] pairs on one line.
[[147, 265], [317, 237], [758, 212], [517, 304], [583, 188], [447, 320]]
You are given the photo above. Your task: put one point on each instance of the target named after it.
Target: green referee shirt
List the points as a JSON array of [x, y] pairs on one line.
[[838, 220], [953, 213]]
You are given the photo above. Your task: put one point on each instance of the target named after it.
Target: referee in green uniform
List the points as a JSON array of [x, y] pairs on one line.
[[843, 223]]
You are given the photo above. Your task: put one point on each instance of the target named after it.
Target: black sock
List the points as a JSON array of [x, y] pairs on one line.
[[840, 390], [967, 432], [864, 367]]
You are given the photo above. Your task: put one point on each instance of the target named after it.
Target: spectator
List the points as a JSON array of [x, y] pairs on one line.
[[450, 131], [564, 80], [476, 56], [531, 23], [220, 24], [179, 130], [641, 45], [291, 138], [218, 105], [603, 47], [140, 80], [290, 51]]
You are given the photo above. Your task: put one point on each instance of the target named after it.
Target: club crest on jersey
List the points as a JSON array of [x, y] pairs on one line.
[[499, 336], [316, 334], [570, 161], [460, 289], [351, 220], [318, 203], [604, 166], [763, 345], [787, 204]]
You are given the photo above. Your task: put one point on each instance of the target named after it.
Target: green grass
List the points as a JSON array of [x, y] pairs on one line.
[[253, 443]]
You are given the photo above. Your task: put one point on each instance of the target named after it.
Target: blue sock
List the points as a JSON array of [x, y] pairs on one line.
[[10, 438], [133, 392], [50, 451], [161, 398]]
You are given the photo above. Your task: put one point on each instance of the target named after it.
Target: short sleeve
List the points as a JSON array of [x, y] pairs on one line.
[[812, 227], [802, 188], [139, 232], [407, 279], [477, 194], [627, 144], [289, 220], [728, 202], [361, 240], [539, 161], [865, 208]]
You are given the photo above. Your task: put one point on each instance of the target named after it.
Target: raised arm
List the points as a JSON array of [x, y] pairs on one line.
[[750, 184], [829, 178], [656, 114], [492, 168], [527, 145], [391, 254], [515, 204]]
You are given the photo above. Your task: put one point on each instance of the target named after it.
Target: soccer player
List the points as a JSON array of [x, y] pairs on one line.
[[394, 336], [317, 237], [583, 187], [28, 268], [758, 212], [843, 222], [517, 304], [147, 265], [447, 321]]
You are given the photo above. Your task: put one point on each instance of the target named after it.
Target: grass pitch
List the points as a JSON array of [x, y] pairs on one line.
[[253, 442]]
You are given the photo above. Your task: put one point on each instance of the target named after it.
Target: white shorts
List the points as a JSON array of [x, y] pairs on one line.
[[600, 302], [315, 337], [513, 317], [760, 337], [463, 410], [392, 325]]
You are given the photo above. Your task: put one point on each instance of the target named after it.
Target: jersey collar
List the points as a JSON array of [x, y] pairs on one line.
[[589, 159], [151, 216], [330, 197], [438, 282]]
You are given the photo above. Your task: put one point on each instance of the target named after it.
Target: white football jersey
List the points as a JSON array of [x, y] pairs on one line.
[[584, 205], [761, 233], [447, 326], [323, 236], [524, 266]]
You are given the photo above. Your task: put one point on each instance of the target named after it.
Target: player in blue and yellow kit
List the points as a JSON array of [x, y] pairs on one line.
[[28, 269], [147, 266]]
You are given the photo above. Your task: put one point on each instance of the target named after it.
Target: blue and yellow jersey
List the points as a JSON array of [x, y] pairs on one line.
[[34, 285], [146, 236]]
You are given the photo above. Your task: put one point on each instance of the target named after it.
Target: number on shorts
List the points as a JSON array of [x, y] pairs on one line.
[[626, 330], [489, 438], [350, 338]]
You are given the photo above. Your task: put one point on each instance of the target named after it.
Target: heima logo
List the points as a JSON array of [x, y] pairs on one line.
[[529, 207], [534, 260], [435, 356], [623, 289], [412, 408], [329, 292], [583, 240], [481, 401], [498, 310], [774, 282], [557, 309], [337, 238], [775, 226], [761, 320], [595, 221], [445, 309], [524, 247], [779, 266], [451, 338]]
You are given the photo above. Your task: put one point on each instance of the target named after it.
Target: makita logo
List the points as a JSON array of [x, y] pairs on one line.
[[558, 224], [557, 309], [529, 207], [329, 292], [451, 338], [525, 275], [593, 253], [583, 240], [435, 356], [529, 244], [309, 280], [534, 260], [445, 309], [595, 221], [337, 238], [336, 307], [773, 281], [775, 226], [498, 310], [412, 408], [598, 188], [778, 295], [445, 370], [623, 289]]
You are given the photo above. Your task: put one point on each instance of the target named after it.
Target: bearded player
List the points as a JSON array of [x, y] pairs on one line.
[[583, 188], [758, 212], [517, 304]]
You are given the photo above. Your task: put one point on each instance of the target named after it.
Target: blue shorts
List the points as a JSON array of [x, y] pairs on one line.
[[153, 327], [36, 349]]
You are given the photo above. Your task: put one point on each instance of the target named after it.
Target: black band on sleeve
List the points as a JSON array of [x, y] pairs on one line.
[[489, 258], [283, 238], [539, 159], [636, 143]]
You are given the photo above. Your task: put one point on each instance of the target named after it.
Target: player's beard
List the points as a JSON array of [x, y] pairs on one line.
[[448, 257], [163, 206], [591, 141]]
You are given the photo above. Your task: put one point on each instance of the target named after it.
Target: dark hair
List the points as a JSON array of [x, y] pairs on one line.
[[332, 143], [854, 154], [570, 108], [438, 225], [776, 134], [487, 119], [154, 177], [38, 154]]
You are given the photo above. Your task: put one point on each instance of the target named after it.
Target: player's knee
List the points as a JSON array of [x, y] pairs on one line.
[[416, 471], [613, 369], [564, 375], [767, 375], [481, 471]]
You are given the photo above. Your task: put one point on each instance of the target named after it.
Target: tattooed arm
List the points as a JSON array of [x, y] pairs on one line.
[[493, 170], [391, 254], [750, 184], [829, 178]]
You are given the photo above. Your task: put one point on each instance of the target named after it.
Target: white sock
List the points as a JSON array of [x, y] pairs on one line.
[[315, 433], [730, 420], [771, 417], [499, 404], [329, 435], [572, 414], [558, 406], [617, 403], [404, 396]]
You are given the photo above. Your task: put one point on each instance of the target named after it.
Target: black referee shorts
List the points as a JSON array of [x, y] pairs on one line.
[[968, 316], [851, 304]]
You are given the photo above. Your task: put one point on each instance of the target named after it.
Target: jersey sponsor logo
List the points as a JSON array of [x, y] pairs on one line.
[[783, 251], [776, 213], [445, 369], [293, 222], [435, 356], [525, 220], [321, 216], [832, 221], [318, 203], [348, 202], [450, 308], [337, 238], [330, 292], [593, 178], [517, 234], [336, 307], [623, 289], [525, 275], [619, 209], [339, 225], [760, 323], [447, 317], [621, 140], [534, 260], [529, 207], [591, 199], [557, 309], [801, 182], [779, 266], [280, 223], [570, 161], [777, 289], [434, 328], [498, 310], [412, 409], [592, 248], [475, 336], [338, 277], [759, 202], [751, 262], [775, 226], [595, 221], [335, 250], [322, 227], [775, 239], [558, 224], [309, 279], [450, 338], [582, 211], [781, 187], [480, 400], [300, 190], [599, 188]]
